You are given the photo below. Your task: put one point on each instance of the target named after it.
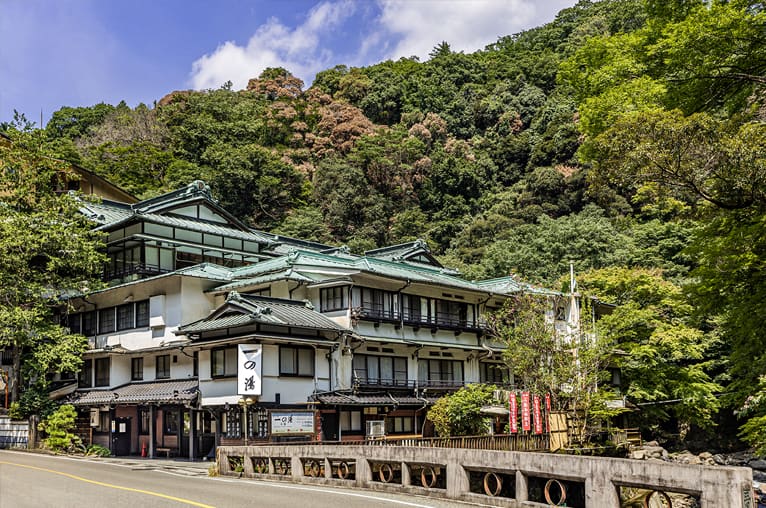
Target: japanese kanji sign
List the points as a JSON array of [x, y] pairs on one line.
[[249, 368]]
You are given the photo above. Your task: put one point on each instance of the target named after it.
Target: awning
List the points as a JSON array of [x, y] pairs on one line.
[[155, 392]]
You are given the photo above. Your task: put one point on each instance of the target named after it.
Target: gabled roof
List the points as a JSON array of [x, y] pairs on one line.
[[246, 310], [160, 210], [414, 252], [331, 266]]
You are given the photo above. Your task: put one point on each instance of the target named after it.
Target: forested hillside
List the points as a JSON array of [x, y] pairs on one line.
[[627, 136]]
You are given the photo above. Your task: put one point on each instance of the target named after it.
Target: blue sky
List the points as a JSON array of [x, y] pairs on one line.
[[56, 53]]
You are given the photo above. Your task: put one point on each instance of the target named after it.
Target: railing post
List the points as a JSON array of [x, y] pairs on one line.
[[327, 468], [522, 487], [296, 466], [457, 480], [363, 471], [406, 474]]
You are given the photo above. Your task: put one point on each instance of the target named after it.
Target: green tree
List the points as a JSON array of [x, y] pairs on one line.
[[50, 252], [664, 362], [458, 414]]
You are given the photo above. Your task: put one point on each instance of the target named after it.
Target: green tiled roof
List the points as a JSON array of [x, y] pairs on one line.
[[242, 310], [288, 274], [510, 285]]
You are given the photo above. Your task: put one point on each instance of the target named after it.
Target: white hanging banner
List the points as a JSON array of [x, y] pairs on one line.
[[249, 368]]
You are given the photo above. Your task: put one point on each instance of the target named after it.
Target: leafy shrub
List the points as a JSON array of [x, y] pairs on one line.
[[98, 451], [58, 427]]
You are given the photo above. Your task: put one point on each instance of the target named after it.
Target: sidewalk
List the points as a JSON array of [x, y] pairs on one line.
[[180, 466]]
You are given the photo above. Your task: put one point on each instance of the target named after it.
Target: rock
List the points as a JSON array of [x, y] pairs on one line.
[[720, 459], [686, 457], [655, 452], [759, 464], [637, 454], [651, 443], [705, 455]]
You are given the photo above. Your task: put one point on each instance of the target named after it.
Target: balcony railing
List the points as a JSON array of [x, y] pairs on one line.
[[416, 320], [140, 269], [441, 384], [376, 382]]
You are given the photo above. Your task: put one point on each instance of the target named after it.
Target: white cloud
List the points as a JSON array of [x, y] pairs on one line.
[[467, 25], [299, 49]]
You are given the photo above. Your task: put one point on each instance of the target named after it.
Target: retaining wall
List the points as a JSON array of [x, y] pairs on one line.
[[13, 434], [515, 479]]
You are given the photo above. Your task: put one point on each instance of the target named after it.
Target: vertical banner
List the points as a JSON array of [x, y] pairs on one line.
[[513, 409], [538, 415], [249, 368], [525, 417], [548, 413]]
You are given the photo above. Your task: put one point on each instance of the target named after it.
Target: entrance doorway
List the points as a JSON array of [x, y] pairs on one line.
[[121, 436]]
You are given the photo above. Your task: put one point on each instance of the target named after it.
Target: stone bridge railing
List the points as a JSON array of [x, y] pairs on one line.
[[488, 477]]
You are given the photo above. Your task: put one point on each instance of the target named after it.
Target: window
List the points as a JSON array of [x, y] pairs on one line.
[[136, 369], [102, 371], [171, 422], [106, 320], [142, 313], [380, 370], [223, 362], [495, 373], [333, 298], [232, 422], [377, 303], [143, 421], [411, 307], [296, 361], [440, 372], [195, 363], [89, 323], [163, 367], [73, 323], [125, 316], [85, 378], [400, 425], [351, 421], [451, 313]]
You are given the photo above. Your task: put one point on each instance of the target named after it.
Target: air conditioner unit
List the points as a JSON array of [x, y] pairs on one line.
[[376, 429]]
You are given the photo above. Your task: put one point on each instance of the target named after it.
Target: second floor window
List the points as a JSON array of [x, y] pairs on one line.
[[106, 320], [102, 371], [143, 421], [163, 367], [411, 308], [136, 369], [449, 313], [380, 370], [142, 314], [333, 298], [377, 303], [223, 362], [125, 316], [85, 379], [495, 373], [89, 324], [296, 361], [440, 371]]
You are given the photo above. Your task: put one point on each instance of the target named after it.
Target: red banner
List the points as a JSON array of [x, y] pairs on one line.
[[525, 416], [538, 415], [513, 413], [548, 413]]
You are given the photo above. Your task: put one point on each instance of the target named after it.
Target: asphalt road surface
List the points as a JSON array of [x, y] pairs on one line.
[[29, 480]]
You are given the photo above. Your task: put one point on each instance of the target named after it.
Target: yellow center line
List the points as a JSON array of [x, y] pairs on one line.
[[119, 487]]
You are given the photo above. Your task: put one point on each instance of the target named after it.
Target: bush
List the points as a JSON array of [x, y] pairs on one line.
[[98, 451], [459, 414], [58, 426]]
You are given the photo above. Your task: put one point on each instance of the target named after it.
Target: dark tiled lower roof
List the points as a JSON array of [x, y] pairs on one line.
[[171, 391], [341, 399]]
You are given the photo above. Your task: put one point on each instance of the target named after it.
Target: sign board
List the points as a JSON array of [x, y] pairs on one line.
[[538, 418], [249, 369], [513, 409], [526, 424], [286, 423]]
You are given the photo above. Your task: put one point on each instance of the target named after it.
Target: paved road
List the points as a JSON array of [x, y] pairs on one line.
[[29, 480]]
